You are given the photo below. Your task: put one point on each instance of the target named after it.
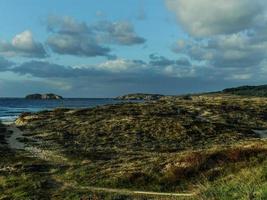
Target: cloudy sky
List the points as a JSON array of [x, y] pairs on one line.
[[91, 48]]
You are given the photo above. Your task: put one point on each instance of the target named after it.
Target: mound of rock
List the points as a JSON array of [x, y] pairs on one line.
[[49, 96]]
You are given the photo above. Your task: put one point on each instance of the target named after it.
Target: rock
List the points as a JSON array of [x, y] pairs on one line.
[[187, 97], [25, 118], [3, 129], [49, 96], [140, 96]]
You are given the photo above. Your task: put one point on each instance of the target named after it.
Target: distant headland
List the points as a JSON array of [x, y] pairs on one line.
[[49, 96]]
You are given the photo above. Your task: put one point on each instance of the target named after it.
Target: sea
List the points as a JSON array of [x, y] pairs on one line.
[[11, 108]]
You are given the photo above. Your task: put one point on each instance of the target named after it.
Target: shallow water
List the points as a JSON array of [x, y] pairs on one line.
[[11, 108], [261, 133]]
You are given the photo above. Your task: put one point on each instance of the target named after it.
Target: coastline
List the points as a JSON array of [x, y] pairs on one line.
[[164, 146], [11, 108]]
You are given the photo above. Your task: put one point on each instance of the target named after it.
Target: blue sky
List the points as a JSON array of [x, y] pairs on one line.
[[79, 48]]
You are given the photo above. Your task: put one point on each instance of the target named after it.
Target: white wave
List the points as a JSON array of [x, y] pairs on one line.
[[8, 119]]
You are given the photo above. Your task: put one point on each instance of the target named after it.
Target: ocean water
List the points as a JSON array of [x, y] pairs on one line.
[[11, 108]]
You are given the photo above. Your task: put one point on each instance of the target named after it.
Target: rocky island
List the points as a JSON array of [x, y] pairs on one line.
[[49, 96]]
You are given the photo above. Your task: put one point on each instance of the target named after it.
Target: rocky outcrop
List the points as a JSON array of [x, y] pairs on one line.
[[140, 96], [44, 96], [25, 118]]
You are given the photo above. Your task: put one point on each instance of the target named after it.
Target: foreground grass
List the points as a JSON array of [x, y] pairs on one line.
[[238, 172], [248, 183], [204, 146]]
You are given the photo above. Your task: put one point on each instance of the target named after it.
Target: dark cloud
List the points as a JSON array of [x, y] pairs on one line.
[[5, 64], [183, 62], [68, 36], [43, 69], [229, 42], [121, 33], [79, 45], [50, 70], [237, 51], [66, 25], [156, 60], [73, 38], [115, 77], [114, 67], [24, 45], [227, 51], [123, 69]]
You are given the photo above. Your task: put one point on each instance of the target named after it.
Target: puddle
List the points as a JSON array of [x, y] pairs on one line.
[[261, 133]]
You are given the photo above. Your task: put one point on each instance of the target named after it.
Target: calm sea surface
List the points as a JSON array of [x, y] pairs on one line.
[[11, 108]]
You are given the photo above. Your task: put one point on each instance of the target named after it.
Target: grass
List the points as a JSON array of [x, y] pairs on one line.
[[204, 145], [247, 183]]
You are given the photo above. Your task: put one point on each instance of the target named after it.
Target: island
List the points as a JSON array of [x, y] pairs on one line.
[[49, 96], [140, 96]]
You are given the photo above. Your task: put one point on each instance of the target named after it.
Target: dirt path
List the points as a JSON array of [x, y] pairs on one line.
[[13, 141], [34, 151], [131, 192]]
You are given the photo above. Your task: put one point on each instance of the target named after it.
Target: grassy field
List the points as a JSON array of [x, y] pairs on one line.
[[205, 146]]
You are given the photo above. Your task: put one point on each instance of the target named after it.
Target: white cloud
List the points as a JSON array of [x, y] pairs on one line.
[[59, 84], [24, 40], [211, 17], [239, 77], [119, 65], [179, 72], [23, 44]]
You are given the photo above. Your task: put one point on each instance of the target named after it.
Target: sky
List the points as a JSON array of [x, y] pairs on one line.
[[92, 48]]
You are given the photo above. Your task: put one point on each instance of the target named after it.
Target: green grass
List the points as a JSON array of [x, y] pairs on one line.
[[248, 183]]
